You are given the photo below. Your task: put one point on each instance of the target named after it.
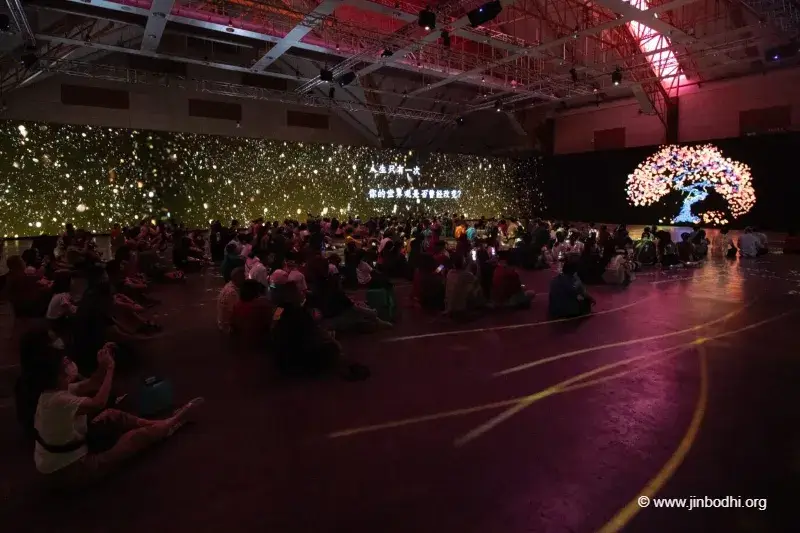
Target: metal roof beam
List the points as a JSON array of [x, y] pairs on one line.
[[309, 22], [156, 22], [640, 16]]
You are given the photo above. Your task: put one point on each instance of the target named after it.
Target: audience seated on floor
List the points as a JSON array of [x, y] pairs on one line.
[[619, 270], [61, 310], [228, 298], [507, 289], [28, 292], [252, 315], [568, 297], [71, 416], [749, 244], [463, 294]]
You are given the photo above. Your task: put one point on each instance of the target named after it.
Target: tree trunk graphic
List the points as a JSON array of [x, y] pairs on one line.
[[697, 192]]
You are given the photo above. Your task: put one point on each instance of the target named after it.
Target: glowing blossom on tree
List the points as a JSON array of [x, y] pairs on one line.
[[694, 171]]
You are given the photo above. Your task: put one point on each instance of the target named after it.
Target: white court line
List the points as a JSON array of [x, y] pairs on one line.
[[511, 326]]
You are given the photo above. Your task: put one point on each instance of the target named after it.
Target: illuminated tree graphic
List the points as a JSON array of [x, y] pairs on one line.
[[695, 171]]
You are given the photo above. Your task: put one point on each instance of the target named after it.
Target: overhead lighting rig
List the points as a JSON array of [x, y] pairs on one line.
[[427, 19]]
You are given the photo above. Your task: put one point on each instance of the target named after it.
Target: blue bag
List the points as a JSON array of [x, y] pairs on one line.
[[155, 397]]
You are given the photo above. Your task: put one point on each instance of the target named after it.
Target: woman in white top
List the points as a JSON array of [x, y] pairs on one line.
[[64, 414]]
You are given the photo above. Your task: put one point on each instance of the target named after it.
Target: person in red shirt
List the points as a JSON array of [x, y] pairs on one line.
[[507, 289], [252, 314]]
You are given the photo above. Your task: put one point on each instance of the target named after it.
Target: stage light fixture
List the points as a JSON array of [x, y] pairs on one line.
[[347, 78], [484, 14], [616, 76], [574, 74], [779, 53], [326, 75], [427, 19], [5, 22], [460, 121], [446, 38], [29, 60], [387, 53], [498, 106]]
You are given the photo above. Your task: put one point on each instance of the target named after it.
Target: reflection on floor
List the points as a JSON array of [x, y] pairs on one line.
[[682, 385]]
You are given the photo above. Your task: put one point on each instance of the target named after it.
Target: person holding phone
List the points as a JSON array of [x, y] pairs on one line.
[[69, 411]]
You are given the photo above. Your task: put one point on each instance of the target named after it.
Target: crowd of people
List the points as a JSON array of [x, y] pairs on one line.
[[289, 294]]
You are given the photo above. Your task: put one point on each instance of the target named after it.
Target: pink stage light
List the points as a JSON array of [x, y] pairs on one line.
[[664, 62]]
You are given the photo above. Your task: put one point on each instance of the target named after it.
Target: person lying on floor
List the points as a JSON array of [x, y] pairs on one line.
[[507, 289], [568, 297], [463, 295], [68, 413]]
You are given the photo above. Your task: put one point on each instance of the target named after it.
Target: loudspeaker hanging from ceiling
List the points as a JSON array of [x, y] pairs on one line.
[[484, 14]]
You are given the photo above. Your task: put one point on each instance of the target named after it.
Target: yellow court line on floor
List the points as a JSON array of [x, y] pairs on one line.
[[513, 326], [502, 417], [626, 514], [567, 385], [618, 344], [527, 399], [670, 280]]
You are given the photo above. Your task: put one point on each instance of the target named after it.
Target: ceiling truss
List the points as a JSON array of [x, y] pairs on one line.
[[538, 53]]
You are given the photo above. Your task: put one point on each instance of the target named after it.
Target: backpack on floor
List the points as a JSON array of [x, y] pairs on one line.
[[383, 301]]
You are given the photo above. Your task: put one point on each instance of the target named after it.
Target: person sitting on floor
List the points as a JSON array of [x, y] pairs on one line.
[[723, 244], [748, 244], [700, 243], [29, 294], [339, 313], [618, 271], [507, 289], [761, 241], [590, 264], [252, 314], [258, 272], [228, 297], [61, 309], [685, 249], [568, 297], [68, 413], [667, 254], [463, 295], [301, 347], [231, 261], [428, 287]]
